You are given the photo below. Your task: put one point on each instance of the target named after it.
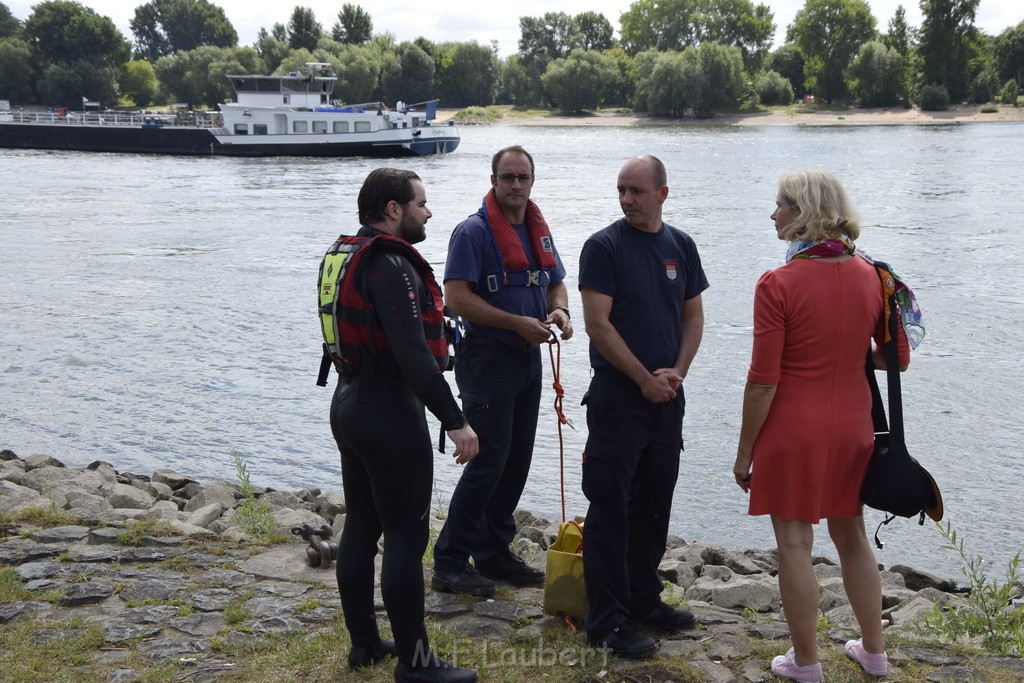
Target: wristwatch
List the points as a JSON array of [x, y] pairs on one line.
[[564, 309]]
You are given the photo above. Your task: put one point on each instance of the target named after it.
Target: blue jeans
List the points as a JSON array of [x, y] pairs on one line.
[[500, 389]]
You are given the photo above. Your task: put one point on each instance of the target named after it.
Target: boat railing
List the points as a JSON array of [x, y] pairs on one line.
[[119, 118]]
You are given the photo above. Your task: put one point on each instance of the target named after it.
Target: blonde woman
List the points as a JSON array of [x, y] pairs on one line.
[[807, 433]]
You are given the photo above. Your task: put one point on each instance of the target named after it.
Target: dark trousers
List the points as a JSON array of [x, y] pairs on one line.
[[500, 390], [630, 468], [387, 472]]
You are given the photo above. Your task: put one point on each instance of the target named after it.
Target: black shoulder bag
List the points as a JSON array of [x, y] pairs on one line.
[[894, 483]]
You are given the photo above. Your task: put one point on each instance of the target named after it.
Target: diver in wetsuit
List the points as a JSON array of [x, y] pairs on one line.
[[379, 423]]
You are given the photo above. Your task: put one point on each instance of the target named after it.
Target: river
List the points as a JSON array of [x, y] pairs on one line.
[[159, 311]]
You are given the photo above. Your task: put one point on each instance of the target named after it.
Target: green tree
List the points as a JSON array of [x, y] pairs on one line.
[[706, 78], [789, 63], [271, 50], [1009, 53], [411, 78], [675, 24], [162, 27], [577, 83], [65, 31], [15, 70], [304, 30], [9, 25], [947, 29], [829, 33], [138, 81], [622, 89], [720, 83], [773, 88], [593, 31], [199, 77], [354, 25], [900, 36], [467, 74], [68, 84], [876, 75], [358, 74], [672, 83], [513, 83]]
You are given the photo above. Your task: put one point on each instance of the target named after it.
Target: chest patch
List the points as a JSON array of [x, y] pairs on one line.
[[671, 269]]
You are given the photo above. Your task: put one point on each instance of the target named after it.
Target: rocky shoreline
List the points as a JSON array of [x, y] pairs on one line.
[[197, 595]]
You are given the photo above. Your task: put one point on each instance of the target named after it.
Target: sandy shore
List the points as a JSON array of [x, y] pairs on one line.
[[791, 116]]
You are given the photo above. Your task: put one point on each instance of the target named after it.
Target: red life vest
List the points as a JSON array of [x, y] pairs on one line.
[[346, 317], [515, 264]]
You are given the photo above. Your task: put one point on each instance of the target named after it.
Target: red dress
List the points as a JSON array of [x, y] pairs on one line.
[[813, 321]]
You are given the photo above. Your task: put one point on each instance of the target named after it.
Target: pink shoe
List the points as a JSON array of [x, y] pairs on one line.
[[873, 663], [786, 666]]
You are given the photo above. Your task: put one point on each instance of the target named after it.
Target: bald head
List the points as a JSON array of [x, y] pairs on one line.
[[643, 188]]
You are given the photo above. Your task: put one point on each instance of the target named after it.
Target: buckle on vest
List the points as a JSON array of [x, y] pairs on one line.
[[534, 278], [492, 283]]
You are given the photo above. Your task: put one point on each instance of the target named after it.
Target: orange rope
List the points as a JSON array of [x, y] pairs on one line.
[[556, 369]]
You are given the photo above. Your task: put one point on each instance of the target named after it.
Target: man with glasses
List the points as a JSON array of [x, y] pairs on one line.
[[503, 276]]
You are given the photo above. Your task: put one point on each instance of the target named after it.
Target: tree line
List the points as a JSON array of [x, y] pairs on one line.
[[672, 57]]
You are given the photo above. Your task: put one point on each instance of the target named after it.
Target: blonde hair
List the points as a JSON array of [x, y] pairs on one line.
[[825, 210]]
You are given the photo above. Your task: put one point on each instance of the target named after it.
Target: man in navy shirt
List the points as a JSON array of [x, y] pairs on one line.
[[503, 276], [641, 282]]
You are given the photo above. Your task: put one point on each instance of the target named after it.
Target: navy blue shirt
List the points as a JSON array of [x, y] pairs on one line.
[[472, 255], [648, 276]]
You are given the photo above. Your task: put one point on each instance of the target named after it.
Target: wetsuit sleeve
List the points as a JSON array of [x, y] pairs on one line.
[[397, 293]]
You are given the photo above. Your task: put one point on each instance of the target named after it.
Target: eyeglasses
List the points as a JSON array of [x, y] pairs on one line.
[[523, 178]]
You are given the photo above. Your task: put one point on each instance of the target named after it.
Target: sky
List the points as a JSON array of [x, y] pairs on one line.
[[463, 20]]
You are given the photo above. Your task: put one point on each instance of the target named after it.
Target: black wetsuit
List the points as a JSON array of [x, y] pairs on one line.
[[387, 459]]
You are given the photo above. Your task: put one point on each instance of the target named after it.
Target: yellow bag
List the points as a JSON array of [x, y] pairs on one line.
[[564, 589]]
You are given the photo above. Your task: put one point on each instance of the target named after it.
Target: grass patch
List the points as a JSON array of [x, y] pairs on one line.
[[235, 612], [254, 516], [40, 516], [135, 530], [989, 617], [989, 109], [12, 589]]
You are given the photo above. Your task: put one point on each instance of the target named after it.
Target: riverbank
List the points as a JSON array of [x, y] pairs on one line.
[[795, 115], [109, 576]]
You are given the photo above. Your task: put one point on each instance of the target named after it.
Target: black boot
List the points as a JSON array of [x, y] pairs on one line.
[[433, 671], [361, 657]]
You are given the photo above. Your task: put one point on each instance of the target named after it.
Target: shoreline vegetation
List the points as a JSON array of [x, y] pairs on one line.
[[793, 115], [111, 576]]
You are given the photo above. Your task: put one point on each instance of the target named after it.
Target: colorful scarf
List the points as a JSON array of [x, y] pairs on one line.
[[910, 312]]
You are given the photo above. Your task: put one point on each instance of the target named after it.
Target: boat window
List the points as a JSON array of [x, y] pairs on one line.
[[362, 126], [319, 126], [259, 129], [285, 99], [415, 122], [241, 129], [341, 126], [300, 126]]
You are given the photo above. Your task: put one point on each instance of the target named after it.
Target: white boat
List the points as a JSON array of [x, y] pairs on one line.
[[290, 115]]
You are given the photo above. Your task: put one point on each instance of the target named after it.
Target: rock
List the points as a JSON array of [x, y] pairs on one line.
[[86, 593], [916, 580], [15, 497], [60, 534], [172, 479], [205, 516], [125, 496], [211, 494], [286, 519], [955, 674], [37, 460], [330, 505]]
